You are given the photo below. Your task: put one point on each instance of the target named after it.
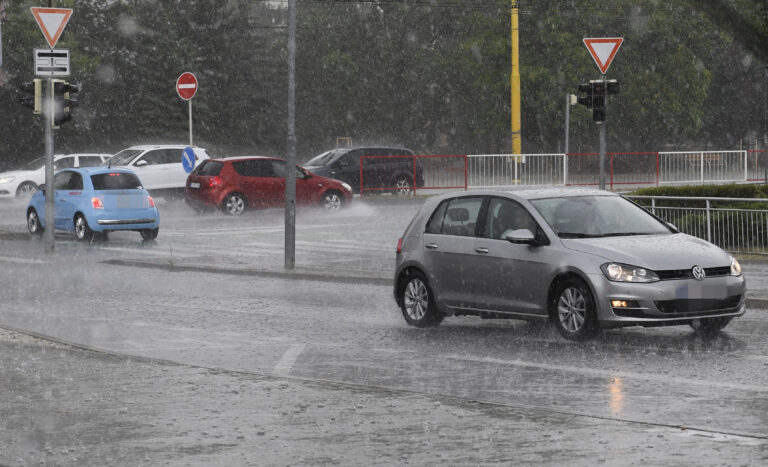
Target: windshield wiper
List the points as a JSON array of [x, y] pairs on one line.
[[625, 234], [576, 235]]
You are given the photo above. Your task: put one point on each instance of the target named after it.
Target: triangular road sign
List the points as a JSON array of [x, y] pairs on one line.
[[51, 22], [603, 50]]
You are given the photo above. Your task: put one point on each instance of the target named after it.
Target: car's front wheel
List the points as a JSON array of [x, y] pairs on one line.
[[234, 204], [332, 201], [82, 231], [573, 310], [149, 234], [26, 189], [33, 223], [711, 325], [418, 302]]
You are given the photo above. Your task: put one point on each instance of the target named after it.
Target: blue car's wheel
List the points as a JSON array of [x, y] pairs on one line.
[[149, 234], [82, 231], [33, 223]]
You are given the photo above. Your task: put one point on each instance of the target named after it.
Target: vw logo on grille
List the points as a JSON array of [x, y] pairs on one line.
[[698, 273]]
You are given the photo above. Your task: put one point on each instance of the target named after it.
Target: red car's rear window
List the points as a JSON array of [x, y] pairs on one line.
[[209, 168]]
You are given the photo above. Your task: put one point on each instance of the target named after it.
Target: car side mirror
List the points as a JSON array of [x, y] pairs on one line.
[[523, 236], [141, 163], [673, 227], [41, 188]]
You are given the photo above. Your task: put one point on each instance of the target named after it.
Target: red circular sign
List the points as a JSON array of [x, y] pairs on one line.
[[186, 86]]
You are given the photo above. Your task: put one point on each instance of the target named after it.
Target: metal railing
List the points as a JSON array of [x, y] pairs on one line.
[[421, 172], [504, 170], [735, 229]]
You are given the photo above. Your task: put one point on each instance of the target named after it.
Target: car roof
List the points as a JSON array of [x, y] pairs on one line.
[[369, 147], [99, 169], [144, 147], [534, 193], [243, 158]]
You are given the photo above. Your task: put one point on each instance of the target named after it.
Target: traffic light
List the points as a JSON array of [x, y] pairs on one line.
[[586, 99], [598, 101], [62, 101], [34, 88]]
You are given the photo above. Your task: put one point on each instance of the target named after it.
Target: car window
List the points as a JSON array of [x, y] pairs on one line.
[[123, 157], [173, 156], [64, 163], [75, 181], [162, 156], [35, 164], [278, 168], [115, 181], [209, 168], [61, 180], [254, 168], [460, 216], [436, 221], [504, 216], [88, 161]]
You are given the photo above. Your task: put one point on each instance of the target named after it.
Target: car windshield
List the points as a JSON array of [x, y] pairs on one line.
[[35, 164], [597, 216], [123, 157], [325, 158], [115, 181]]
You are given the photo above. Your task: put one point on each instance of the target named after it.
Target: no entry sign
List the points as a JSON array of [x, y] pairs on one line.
[[186, 86]]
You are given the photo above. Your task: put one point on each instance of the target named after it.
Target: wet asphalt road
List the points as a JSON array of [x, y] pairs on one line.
[[659, 378]]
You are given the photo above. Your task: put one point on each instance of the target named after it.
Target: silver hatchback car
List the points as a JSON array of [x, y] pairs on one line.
[[583, 259]]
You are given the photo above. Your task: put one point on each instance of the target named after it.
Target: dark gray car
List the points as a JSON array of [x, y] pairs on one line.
[[583, 259]]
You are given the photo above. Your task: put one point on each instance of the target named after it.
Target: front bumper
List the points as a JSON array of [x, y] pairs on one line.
[[667, 302]]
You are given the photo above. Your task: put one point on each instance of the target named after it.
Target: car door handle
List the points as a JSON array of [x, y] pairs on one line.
[[431, 246], [482, 250]]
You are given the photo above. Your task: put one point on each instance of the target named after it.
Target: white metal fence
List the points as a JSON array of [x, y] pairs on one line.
[[623, 170], [734, 224]]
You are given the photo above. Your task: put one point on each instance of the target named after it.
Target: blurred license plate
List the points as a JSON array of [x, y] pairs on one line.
[[194, 185]]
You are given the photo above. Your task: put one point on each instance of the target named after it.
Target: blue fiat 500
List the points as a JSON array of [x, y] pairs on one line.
[[96, 200]]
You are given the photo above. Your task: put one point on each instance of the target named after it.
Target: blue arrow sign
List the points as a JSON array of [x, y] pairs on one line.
[[188, 159]]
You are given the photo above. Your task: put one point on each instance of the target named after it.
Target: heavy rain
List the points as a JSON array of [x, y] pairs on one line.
[[201, 343]]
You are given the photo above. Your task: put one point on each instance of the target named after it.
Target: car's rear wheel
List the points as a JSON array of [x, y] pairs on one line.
[[234, 204], [26, 189], [82, 231], [573, 310], [711, 325], [332, 201], [403, 186], [149, 234], [33, 223], [418, 302]]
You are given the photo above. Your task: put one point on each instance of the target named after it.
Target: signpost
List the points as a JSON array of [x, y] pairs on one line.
[[186, 88], [52, 62], [603, 51], [52, 22]]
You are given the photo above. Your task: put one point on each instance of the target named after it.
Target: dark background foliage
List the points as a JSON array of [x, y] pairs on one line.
[[432, 75]]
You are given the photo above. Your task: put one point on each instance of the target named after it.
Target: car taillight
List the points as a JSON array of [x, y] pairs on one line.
[[97, 204], [400, 245], [151, 202], [215, 180]]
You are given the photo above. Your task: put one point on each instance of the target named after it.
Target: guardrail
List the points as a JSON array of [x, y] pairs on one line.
[[379, 174], [734, 229]]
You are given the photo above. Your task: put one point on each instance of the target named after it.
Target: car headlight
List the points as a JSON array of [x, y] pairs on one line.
[[6, 180], [618, 272], [735, 267], [346, 186]]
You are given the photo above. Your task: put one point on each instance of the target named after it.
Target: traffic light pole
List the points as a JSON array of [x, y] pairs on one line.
[[48, 112], [602, 142]]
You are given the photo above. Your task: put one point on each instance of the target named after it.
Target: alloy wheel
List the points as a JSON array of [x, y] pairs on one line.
[[416, 299], [572, 309], [234, 205], [403, 186], [332, 202]]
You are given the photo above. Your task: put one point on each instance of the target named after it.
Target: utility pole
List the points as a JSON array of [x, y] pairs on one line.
[[290, 160]]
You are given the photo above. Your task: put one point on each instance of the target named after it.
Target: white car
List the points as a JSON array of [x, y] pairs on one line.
[[158, 166], [24, 182]]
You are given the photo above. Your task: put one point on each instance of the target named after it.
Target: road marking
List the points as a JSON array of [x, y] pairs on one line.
[[285, 365], [10, 259]]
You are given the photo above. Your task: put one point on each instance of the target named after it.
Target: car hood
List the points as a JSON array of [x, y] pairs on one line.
[[318, 168], [657, 252], [16, 173]]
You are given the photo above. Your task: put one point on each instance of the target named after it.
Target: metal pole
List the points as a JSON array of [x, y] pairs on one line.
[[190, 121], [48, 237], [567, 137], [602, 154], [290, 160]]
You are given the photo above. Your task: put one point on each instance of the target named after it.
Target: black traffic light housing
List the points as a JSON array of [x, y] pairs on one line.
[[594, 98], [35, 90], [62, 101]]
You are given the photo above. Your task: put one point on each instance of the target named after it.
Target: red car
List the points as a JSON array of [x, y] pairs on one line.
[[235, 184]]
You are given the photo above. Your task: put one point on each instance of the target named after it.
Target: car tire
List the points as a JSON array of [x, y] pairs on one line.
[[403, 185], [33, 223], [234, 204], [332, 201], [418, 302], [573, 310], [83, 232], [149, 234], [711, 325], [26, 189]]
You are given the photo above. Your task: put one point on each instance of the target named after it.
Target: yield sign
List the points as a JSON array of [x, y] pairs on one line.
[[51, 22], [603, 50]]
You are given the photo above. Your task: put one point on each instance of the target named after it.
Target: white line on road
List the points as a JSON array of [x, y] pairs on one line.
[[10, 259], [285, 365]]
